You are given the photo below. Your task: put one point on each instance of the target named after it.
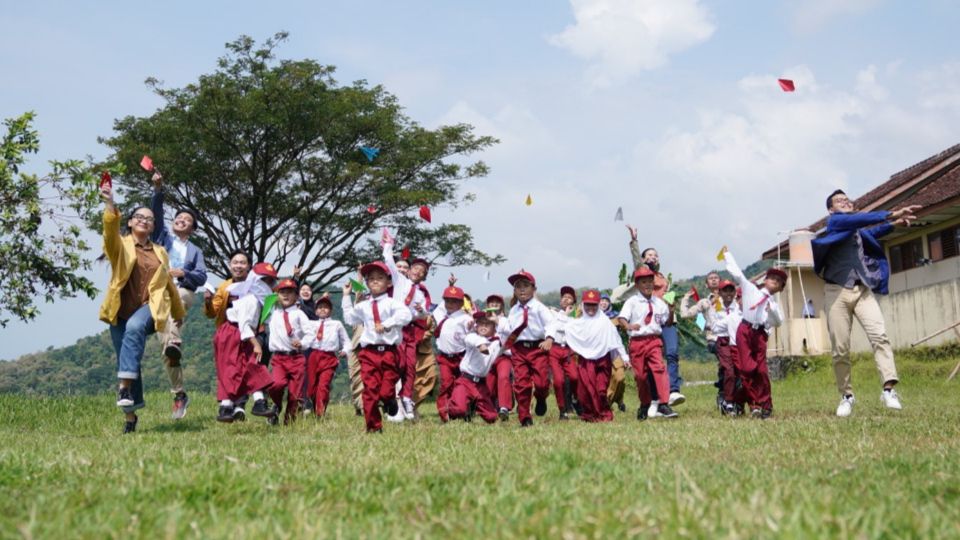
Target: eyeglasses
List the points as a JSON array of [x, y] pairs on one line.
[[143, 218]]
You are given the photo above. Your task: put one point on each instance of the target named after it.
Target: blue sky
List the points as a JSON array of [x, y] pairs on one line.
[[668, 108]]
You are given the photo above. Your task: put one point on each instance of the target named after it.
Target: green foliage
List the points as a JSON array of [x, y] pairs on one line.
[[267, 153], [802, 474], [41, 249]]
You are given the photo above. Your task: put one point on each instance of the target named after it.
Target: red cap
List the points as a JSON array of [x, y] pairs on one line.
[[495, 298], [375, 265], [482, 317], [286, 284], [727, 283], [422, 261], [591, 297], [453, 293], [566, 289], [777, 273], [522, 274], [324, 300], [643, 271], [265, 269]]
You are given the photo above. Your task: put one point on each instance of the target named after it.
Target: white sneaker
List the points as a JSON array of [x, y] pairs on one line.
[[890, 399], [652, 410], [676, 398], [846, 406], [397, 418], [408, 411]]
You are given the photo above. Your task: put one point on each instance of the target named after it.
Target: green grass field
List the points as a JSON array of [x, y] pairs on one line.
[[66, 472]]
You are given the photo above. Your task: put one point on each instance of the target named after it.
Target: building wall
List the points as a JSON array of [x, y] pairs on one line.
[[915, 313]]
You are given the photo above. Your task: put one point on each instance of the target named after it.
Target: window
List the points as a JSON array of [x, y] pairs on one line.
[[906, 255], [944, 243]]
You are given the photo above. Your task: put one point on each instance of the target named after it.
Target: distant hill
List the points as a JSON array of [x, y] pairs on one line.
[[89, 365]]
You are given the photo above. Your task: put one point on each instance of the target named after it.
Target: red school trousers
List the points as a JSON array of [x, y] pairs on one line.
[[288, 373], [407, 351], [498, 382], [563, 365], [469, 389], [238, 372], [529, 375], [449, 371], [380, 371], [646, 355], [750, 359], [321, 367], [725, 357], [594, 378]]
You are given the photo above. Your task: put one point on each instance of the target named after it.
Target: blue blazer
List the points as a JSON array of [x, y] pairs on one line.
[[195, 271], [840, 227]]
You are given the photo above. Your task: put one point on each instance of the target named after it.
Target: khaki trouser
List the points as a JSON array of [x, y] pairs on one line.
[[172, 334], [353, 367], [618, 378], [842, 306], [426, 377]]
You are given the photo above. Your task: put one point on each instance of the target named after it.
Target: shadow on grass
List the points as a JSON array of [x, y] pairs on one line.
[[178, 427]]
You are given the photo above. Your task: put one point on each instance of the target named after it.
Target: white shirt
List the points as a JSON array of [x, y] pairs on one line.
[[726, 320], [245, 312], [178, 252], [540, 320], [402, 285], [759, 307], [635, 311], [393, 316], [558, 328], [335, 338], [454, 330], [475, 362], [279, 340]]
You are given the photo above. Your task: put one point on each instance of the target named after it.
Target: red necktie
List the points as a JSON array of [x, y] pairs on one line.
[[286, 323], [518, 330], [760, 303], [649, 316], [376, 312], [409, 298], [436, 332], [320, 332]]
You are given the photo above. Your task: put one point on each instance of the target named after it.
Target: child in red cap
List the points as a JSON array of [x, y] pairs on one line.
[[761, 312], [383, 319], [470, 390], [563, 367], [450, 332], [325, 338], [287, 324], [498, 380], [594, 339]]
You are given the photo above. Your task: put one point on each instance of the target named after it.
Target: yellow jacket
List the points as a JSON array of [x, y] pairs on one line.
[[121, 252]]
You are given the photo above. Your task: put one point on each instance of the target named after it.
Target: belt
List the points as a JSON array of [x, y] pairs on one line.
[[288, 353], [470, 377], [644, 338], [454, 355], [379, 348], [528, 344], [754, 326]]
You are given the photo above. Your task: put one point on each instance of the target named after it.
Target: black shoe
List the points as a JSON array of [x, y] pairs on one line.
[[728, 409], [260, 408], [766, 413], [541, 408], [180, 403], [622, 406], [358, 412], [130, 426], [273, 419], [471, 410], [642, 412], [756, 413], [239, 415], [173, 352], [226, 414], [720, 403], [391, 407], [527, 423], [666, 412], [124, 398], [504, 414], [563, 416]]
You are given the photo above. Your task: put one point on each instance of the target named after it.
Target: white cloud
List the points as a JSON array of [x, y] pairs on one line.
[[624, 37], [811, 15]]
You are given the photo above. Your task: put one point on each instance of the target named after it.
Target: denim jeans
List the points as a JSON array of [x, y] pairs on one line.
[[129, 339], [671, 350]]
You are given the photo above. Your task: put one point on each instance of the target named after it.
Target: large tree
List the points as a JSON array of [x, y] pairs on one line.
[[42, 251], [267, 152]]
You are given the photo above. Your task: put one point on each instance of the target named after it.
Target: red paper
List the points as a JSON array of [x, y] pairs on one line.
[[371, 209], [106, 180], [146, 163], [405, 254], [425, 213], [786, 85], [695, 295]]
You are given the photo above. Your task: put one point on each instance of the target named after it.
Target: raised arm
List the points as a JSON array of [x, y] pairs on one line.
[[735, 271], [159, 234]]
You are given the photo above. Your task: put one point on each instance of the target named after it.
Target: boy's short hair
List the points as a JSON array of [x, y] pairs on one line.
[[830, 198]]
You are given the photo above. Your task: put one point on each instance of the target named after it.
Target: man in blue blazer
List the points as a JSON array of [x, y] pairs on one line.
[[190, 273], [850, 258]]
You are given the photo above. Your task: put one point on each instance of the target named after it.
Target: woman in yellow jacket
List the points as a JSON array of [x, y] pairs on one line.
[[140, 297]]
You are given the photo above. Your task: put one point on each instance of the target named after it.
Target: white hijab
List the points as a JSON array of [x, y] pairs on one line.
[[252, 285], [593, 336]]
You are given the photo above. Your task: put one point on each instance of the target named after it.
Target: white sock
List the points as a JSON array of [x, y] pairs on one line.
[[257, 396], [226, 403]]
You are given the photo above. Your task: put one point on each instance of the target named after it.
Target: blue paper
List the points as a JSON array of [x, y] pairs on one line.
[[370, 152], [701, 321]]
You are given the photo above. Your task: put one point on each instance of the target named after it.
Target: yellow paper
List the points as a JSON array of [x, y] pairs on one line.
[[529, 200], [722, 251]]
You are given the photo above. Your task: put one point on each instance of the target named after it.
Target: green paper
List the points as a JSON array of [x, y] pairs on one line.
[[356, 286], [623, 274], [268, 303], [670, 297]]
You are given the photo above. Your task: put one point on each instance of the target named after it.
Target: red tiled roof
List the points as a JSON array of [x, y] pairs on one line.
[[936, 190]]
